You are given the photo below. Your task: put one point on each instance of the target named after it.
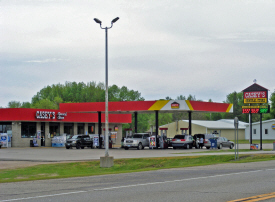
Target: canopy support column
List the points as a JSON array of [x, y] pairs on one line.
[[136, 121], [190, 122], [157, 127]]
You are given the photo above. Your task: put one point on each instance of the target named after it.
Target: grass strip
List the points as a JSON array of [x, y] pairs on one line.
[[254, 141], [222, 151], [92, 168]]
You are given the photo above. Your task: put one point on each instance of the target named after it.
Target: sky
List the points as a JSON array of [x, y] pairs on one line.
[[204, 48]]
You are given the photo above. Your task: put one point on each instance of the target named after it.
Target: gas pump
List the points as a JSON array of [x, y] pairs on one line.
[[163, 138], [129, 134], [185, 131]]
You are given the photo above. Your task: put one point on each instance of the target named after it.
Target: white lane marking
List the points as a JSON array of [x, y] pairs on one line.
[[135, 185], [44, 196], [181, 180]]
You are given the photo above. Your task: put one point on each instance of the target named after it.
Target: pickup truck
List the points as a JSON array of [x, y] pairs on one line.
[[79, 141], [138, 140]]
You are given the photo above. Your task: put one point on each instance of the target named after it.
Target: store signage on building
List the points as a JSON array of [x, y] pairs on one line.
[[61, 116], [261, 109], [50, 115], [255, 97], [175, 105], [45, 115], [273, 126]]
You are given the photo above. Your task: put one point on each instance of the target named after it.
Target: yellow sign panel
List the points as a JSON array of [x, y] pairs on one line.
[[255, 107], [255, 100]]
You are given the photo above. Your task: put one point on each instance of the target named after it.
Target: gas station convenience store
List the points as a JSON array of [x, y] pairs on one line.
[[25, 124]]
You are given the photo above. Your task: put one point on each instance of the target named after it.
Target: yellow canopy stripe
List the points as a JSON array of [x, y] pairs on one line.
[[158, 104]]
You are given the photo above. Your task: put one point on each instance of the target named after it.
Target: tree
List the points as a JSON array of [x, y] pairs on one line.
[[45, 104], [14, 104], [181, 97], [191, 97], [26, 105], [237, 100], [57, 100], [271, 115], [272, 107]]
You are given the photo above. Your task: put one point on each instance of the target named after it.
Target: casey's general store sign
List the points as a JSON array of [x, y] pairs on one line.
[[255, 94], [50, 115], [255, 97]]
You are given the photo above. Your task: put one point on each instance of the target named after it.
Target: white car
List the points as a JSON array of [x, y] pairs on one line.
[[182, 141], [139, 141]]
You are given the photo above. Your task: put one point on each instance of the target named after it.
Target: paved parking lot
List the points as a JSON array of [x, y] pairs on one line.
[[53, 154]]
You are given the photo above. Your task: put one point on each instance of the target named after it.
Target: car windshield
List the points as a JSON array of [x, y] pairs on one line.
[[75, 137], [137, 136], [179, 137]]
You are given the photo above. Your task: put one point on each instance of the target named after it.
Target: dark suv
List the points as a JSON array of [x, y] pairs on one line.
[[205, 137], [79, 141]]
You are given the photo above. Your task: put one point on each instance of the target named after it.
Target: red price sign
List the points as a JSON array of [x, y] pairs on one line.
[[257, 110], [254, 111]]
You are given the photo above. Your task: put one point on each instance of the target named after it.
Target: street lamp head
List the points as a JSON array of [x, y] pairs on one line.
[[116, 19], [97, 20]]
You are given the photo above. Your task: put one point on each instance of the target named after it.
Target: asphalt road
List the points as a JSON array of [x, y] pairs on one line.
[[205, 183]]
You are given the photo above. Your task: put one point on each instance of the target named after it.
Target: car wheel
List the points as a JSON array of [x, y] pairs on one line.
[[174, 147], [139, 146], [68, 147], [220, 146], [78, 146], [82, 147], [126, 148], [231, 146], [207, 147]]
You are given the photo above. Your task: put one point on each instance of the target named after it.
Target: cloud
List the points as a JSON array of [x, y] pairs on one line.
[[160, 48], [44, 60]]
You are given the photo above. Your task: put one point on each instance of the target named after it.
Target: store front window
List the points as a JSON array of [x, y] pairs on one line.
[[69, 128], [5, 126], [54, 129], [91, 128], [28, 129], [80, 128]]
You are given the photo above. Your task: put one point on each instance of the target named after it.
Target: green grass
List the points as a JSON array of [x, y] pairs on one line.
[[222, 151], [255, 141], [91, 168]]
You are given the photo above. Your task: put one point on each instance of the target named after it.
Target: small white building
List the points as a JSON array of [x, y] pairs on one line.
[[268, 130], [224, 128]]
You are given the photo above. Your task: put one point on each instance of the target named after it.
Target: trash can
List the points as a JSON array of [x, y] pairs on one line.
[[213, 143]]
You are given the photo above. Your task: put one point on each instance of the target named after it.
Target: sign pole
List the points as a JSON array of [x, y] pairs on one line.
[[261, 132], [236, 122]]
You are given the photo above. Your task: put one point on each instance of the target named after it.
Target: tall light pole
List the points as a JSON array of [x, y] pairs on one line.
[[106, 84]]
